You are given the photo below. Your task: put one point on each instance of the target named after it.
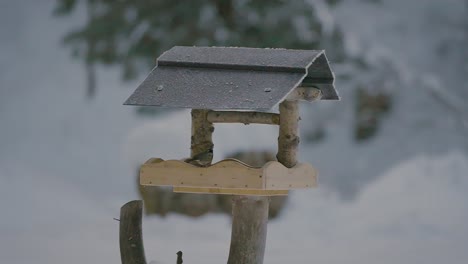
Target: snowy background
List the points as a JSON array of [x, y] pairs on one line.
[[67, 164]]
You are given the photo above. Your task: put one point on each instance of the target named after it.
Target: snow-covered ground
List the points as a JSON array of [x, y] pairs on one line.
[[67, 164]]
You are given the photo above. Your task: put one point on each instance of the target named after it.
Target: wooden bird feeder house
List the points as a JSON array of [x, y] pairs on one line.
[[235, 85], [230, 85]]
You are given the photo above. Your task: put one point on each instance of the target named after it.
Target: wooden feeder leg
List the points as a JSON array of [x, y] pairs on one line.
[[249, 213], [288, 139], [202, 131], [249, 229]]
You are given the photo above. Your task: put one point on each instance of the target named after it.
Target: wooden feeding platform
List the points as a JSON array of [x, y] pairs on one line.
[[229, 176]]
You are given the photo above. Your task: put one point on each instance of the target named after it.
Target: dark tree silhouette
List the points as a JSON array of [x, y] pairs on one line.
[[133, 33]]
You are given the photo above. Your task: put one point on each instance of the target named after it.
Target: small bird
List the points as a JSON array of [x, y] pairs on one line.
[[203, 159], [179, 257]]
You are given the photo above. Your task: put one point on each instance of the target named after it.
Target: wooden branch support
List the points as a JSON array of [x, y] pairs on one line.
[[243, 117], [288, 139], [202, 131], [131, 239], [250, 214]]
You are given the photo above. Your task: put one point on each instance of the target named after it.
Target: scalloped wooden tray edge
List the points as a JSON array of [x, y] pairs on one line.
[[229, 176]]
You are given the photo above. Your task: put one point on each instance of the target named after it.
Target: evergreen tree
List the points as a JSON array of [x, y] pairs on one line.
[[132, 34]]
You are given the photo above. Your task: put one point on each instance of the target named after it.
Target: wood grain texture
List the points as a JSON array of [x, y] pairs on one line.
[[228, 174], [130, 233], [231, 191], [288, 139], [225, 174], [278, 177], [202, 131], [249, 229], [243, 117]]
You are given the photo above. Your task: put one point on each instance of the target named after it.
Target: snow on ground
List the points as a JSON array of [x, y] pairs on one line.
[[414, 213], [68, 164]]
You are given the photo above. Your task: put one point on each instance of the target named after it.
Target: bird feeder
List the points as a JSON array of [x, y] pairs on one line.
[[235, 85]]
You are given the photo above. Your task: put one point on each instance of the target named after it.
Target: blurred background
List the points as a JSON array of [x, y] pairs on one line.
[[392, 154]]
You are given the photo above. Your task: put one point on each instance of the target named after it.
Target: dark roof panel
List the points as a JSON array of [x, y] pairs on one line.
[[232, 78], [224, 89], [235, 58]]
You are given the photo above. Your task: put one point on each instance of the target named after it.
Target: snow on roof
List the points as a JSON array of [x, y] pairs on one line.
[[232, 78]]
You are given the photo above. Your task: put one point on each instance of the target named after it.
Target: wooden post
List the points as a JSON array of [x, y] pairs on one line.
[[250, 214], [288, 139], [249, 229], [202, 131], [131, 240]]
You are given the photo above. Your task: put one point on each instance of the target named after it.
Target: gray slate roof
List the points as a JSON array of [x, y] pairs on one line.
[[232, 78]]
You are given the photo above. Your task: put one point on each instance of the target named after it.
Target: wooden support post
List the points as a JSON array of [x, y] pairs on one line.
[[250, 214], [131, 240], [202, 131], [288, 139], [249, 229]]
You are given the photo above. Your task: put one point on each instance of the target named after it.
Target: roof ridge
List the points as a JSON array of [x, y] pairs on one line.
[[230, 66]]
